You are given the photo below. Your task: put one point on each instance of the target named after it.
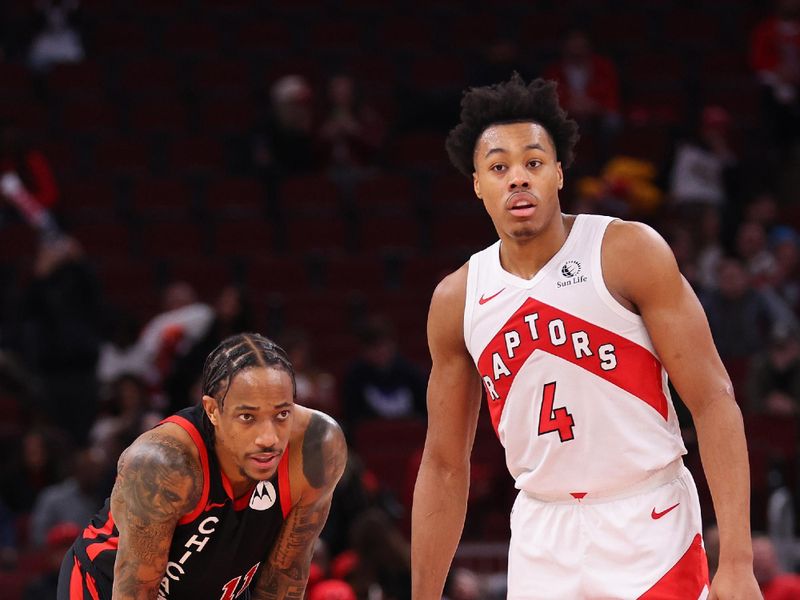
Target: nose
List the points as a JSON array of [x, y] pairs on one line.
[[518, 179], [267, 435]]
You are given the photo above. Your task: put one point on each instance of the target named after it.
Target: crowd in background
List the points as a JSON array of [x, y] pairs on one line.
[[316, 206]]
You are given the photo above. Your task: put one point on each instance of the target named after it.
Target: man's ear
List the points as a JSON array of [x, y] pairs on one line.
[[211, 407], [476, 185]]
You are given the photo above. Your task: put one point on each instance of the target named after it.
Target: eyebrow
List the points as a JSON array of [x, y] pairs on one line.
[[281, 406], [528, 147]]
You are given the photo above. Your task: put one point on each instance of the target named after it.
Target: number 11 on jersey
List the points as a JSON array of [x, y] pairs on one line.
[[557, 419]]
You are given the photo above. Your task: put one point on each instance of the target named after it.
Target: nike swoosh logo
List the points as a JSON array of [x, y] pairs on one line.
[[211, 505], [483, 300], [658, 515]]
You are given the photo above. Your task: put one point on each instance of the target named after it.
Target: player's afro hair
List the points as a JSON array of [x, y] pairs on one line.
[[511, 101]]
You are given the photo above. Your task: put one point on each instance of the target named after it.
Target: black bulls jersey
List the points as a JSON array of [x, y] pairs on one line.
[[217, 549]]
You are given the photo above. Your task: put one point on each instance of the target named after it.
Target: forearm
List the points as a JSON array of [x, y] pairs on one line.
[[279, 584], [437, 521], [723, 450]]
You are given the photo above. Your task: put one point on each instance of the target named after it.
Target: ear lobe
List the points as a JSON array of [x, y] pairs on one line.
[[210, 406]]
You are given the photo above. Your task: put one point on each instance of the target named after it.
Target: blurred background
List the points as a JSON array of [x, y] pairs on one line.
[[173, 172]]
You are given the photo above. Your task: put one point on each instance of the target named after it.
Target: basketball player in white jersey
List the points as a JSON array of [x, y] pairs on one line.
[[571, 325]]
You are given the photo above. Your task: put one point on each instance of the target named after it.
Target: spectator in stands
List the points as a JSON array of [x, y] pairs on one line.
[[751, 247], [73, 500], [709, 248], [316, 388], [775, 57], [119, 353], [463, 584], [588, 86], [284, 143], [381, 383], [60, 333], [384, 558], [737, 314], [774, 583], [704, 165], [352, 132], [231, 314], [27, 185], [58, 540], [785, 246], [183, 321], [35, 467], [58, 39], [773, 384], [127, 414], [332, 589]]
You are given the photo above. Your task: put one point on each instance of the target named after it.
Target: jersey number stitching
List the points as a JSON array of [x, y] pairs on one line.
[[557, 419]]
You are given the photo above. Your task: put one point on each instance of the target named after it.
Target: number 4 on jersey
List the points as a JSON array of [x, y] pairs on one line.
[[557, 419]]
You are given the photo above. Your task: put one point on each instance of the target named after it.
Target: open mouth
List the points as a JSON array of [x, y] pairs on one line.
[[521, 205]]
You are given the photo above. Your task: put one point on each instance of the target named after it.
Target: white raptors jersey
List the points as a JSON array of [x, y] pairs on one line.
[[577, 395]]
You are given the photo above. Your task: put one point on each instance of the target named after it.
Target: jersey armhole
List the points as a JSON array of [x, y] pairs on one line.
[[469, 300], [189, 428], [599, 280], [283, 483]]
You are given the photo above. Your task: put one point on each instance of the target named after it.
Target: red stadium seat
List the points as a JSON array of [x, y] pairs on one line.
[[123, 156], [196, 154], [90, 116], [237, 198], [245, 238], [313, 195], [164, 115], [454, 194], [92, 197], [173, 240], [103, 239], [229, 115], [389, 233], [120, 37], [17, 241], [191, 38], [125, 277], [462, 233], [317, 234], [277, 275], [384, 194], [260, 36], [363, 273], [208, 276], [420, 150], [162, 198], [77, 80], [405, 34], [333, 35]]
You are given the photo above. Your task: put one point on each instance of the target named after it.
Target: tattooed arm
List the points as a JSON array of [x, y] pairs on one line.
[[285, 574], [159, 480]]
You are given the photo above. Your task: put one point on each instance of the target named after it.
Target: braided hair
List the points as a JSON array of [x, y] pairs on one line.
[[237, 353]]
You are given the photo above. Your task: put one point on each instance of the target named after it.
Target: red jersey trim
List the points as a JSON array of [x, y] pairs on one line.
[[189, 427], [75, 582], [238, 503], [108, 541], [92, 587], [283, 483], [91, 532], [636, 370]]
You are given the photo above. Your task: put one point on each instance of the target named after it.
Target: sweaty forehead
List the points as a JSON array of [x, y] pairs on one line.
[[513, 137]]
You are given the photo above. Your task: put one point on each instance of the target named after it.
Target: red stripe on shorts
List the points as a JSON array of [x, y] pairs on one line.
[[686, 579]]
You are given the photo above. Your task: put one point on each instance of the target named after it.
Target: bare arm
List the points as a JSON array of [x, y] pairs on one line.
[[159, 481], [285, 574], [679, 329], [454, 393]]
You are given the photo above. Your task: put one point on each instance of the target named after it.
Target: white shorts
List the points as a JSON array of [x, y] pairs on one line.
[[647, 545]]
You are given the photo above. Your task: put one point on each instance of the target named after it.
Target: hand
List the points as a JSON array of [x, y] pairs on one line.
[[735, 583]]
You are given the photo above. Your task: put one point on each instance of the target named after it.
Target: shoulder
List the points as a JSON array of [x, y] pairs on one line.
[[453, 288], [634, 241], [446, 314], [159, 475], [637, 262], [323, 450]]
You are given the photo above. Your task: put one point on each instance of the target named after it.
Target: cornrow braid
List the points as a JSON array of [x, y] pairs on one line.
[[237, 353]]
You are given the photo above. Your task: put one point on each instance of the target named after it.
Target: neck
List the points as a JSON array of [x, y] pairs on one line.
[[239, 482], [525, 257]]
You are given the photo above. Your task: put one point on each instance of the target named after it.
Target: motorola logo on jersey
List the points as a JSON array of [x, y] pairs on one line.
[[264, 496]]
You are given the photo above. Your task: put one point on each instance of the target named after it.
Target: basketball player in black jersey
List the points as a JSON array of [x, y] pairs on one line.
[[222, 500]]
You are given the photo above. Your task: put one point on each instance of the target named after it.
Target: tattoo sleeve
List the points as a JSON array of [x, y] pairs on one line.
[[158, 481], [285, 574]]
